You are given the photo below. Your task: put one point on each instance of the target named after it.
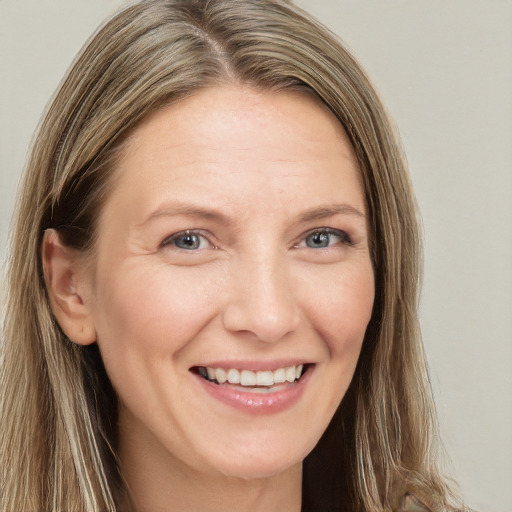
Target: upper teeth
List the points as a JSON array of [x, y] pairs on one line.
[[250, 378]]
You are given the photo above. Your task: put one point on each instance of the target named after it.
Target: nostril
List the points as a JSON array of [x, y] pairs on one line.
[[263, 325], [262, 302]]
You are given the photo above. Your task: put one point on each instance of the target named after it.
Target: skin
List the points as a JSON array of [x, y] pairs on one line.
[[253, 174]]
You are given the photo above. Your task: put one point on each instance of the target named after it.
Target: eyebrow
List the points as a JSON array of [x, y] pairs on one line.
[[187, 210], [311, 214], [324, 212]]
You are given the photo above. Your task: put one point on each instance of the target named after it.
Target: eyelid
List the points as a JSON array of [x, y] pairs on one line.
[[342, 234], [197, 232]]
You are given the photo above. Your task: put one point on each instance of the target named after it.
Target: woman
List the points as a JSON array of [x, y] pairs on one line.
[[213, 288]]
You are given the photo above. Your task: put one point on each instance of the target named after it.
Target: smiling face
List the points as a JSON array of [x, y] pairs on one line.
[[234, 246]]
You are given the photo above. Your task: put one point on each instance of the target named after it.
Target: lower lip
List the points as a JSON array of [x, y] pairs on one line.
[[258, 403]]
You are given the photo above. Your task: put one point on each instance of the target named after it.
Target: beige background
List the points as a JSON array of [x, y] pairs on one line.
[[444, 69]]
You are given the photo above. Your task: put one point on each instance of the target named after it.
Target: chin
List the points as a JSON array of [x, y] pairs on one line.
[[265, 464], [260, 471]]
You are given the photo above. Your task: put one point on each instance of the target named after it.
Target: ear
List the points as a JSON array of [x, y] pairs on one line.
[[67, 289]]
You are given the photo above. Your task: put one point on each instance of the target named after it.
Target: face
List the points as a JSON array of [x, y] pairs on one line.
[[233, 284]]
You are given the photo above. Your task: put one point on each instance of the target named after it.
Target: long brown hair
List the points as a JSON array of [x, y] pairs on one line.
[[58, 436]]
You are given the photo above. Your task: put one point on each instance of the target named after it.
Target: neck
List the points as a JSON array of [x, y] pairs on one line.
[[159, 482]]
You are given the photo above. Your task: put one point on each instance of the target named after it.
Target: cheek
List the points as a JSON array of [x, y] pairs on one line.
[[341, 309], [154, 309]]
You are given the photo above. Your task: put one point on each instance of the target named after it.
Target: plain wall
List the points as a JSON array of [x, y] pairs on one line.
[[444, 69]]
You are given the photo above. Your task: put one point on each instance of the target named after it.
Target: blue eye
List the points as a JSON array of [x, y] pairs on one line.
[[323, 238], [188, 241]]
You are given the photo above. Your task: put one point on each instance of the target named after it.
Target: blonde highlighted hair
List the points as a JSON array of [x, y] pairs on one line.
[[58, 427]]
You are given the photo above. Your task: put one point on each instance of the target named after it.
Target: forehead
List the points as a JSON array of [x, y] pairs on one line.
[[232, 140], [243, 109]]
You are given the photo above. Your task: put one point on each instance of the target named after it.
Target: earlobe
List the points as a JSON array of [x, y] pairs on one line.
[[64, 277]]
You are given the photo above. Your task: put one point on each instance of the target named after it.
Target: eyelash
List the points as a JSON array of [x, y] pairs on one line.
[[342, 235], [188, 233]]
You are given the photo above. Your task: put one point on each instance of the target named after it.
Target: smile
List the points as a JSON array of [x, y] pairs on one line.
[[255, 392], [253, 380]]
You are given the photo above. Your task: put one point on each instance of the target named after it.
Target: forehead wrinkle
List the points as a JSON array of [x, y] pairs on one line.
[[191, 210]]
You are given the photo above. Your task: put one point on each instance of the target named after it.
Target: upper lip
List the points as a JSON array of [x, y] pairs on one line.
[[253, 365]]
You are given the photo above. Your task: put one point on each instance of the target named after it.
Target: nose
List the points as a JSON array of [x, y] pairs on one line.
[[262, 302]]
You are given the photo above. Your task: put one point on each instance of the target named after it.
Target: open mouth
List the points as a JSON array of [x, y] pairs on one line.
[[255, 381]]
